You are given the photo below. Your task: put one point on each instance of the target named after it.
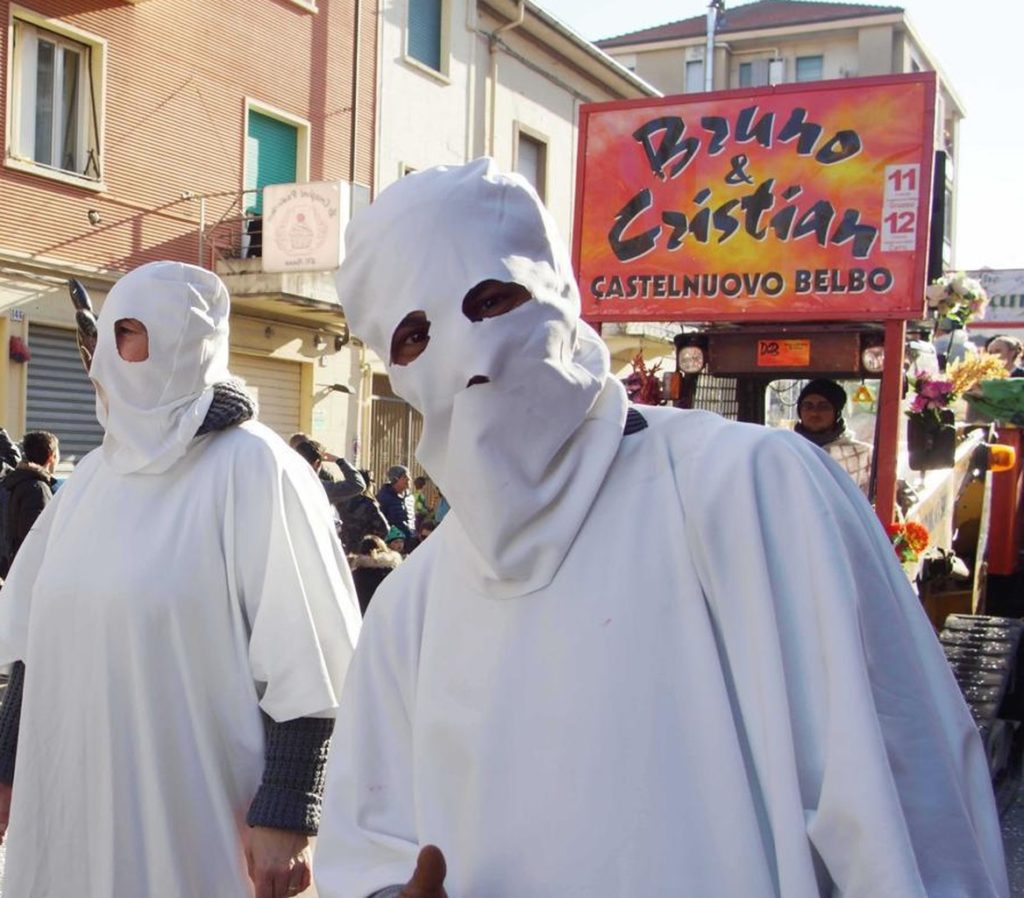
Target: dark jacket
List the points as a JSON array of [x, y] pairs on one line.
[[30, 489], [399, 510], [340, 491], [10, 455], [360, 517], [369, 570]]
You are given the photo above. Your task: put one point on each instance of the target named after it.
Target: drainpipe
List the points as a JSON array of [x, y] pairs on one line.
[[493, 47], [356, 57], [714, 8]]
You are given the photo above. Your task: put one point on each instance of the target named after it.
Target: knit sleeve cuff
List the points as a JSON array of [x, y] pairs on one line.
[[10, 719], [291, 793]]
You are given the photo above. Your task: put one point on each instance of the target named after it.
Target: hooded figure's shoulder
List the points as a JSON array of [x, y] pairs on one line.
[[692, 432], [699, 446], [253, 447]]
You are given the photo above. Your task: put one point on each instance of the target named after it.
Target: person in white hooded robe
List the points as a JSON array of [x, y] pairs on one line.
[[185, 617], [648, 653]]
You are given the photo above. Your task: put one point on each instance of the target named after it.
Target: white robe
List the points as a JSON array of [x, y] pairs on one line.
[[727, 691], [156, 615]]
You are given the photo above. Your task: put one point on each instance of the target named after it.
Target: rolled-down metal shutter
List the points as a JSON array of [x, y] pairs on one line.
[[276, 386], [60, 397]]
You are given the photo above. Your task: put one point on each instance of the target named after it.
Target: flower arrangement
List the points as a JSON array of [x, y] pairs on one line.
[[909, 540], [957, 297], [934, 394]]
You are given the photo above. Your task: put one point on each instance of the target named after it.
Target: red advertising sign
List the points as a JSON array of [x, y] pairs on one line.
[[785, 203]]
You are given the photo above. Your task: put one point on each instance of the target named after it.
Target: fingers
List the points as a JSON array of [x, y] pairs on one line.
[[428, 878], [298, 881], [279, 880]]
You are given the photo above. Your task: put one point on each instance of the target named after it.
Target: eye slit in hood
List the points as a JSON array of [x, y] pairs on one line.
[[410, 338], [491, 299], [131, 337]]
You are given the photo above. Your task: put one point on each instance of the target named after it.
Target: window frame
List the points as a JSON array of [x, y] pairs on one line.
[[91, 102], [441, 74], [820, 57], [303, 130], [523, 132], [699, 65]]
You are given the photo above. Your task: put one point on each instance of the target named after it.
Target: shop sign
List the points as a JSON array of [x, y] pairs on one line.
[[765, 204], [303, 226]]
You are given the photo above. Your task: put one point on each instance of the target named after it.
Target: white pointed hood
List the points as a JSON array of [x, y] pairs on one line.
[[520, 458], [152, 409]]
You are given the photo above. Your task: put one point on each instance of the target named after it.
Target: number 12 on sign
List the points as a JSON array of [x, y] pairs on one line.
[[899, 207]]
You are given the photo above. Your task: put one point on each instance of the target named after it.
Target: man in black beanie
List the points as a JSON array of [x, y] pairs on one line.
[[820, 410]]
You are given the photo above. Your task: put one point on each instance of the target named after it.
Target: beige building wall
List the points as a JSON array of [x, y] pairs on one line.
[[876, 51]]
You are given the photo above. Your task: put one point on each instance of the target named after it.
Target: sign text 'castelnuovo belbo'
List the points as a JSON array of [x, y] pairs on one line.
[[774, 203]]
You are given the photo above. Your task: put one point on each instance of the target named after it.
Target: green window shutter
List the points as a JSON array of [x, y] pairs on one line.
[[425, 32], [271, 151]]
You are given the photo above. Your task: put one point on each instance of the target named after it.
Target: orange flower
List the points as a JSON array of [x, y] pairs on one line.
[[916, 536]]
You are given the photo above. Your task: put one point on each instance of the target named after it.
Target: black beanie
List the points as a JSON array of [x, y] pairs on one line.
[[827, 389]]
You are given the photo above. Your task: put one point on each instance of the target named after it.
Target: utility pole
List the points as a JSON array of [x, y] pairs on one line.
[[715, 8]]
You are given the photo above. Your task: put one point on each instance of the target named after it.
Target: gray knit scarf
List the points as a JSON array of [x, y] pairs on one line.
[[231, 406]]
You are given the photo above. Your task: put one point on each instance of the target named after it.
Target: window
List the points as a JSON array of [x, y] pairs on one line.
[[55, 99], [426, 32], [809, 68], [276, 152], [754, 73], [531, 161], [694, 76]]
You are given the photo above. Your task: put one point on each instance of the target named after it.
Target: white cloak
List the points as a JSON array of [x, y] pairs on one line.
[[728, 690], [157, 613]]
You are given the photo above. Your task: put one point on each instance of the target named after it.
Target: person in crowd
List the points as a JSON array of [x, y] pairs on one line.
[[820, 410], [398, 504], [395, 540], [420, 502], [29, 489], [370, 565], [338, 491], [571, 689], [361, 517], [442, 509], [1010, 350], [185, 616], [10, 455], [425, 529]]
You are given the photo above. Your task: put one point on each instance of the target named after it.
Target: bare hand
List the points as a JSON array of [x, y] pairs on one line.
[[428, 879], [5, 809], [279, 862]]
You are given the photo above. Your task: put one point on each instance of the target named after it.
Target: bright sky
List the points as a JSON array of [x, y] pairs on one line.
[[977, 45]]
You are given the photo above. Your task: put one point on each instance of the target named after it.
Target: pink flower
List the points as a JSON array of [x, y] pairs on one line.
[[918, 404], [936, 389]]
